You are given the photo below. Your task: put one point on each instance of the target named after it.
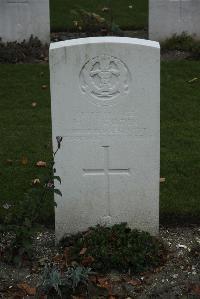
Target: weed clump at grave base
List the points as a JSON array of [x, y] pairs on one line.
[[183, 42], [116, 248], [28, 51]]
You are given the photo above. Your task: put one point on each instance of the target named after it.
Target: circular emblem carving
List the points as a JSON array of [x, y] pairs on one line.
[[104, 78]]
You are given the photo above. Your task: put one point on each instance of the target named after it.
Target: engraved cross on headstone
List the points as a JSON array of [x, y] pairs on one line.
[[107, 172]]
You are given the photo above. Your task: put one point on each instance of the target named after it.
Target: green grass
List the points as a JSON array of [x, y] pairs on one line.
[[126, 18], [26, 131], [180, 142]]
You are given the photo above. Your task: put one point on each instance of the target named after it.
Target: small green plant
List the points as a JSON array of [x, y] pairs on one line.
[[183, 42], [91, 22], [51, 282], [20, 248], [56, 283], [16, 52], [77, 275], [117, 247]]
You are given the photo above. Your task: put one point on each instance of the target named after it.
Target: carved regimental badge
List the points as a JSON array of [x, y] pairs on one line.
[[105, 78]]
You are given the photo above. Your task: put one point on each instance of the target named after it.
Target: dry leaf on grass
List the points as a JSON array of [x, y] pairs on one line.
[[34, 104], [41, 164], [6, 206], [192, 80], [162, 180], [24, 160], [35, 181], [83, 251], [105, 9], [44, 86]]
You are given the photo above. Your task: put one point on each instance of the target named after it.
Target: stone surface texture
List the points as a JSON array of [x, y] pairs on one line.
[[19, 19], [105, 94], [168, 17]]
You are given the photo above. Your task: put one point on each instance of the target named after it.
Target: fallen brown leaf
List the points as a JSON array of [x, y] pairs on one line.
[[83, 251], [105, 283], [35, 181], [24, 160], [134, 282], [58, 258], [162, 180], [192, 80], [105, 9], [41, 164], [29, 290], [87, 261], [194, 288], [34, 104], [102, 282], [16, 293]]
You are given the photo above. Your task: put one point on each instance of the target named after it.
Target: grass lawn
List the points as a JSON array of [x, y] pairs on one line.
[[180, 139], [26, 132], [127, 18]]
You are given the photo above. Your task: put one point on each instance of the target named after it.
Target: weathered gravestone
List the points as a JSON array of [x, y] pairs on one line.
[[105, 95], [19, 19], [169, 17]]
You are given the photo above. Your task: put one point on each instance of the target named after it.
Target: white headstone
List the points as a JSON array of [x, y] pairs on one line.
[[169, 17], [19, 19], [105, 95]]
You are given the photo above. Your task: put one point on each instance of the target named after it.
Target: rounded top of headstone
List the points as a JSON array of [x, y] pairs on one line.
[[105, 40]]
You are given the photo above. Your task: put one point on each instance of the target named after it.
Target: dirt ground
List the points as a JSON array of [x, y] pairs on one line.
[[178, 278]]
